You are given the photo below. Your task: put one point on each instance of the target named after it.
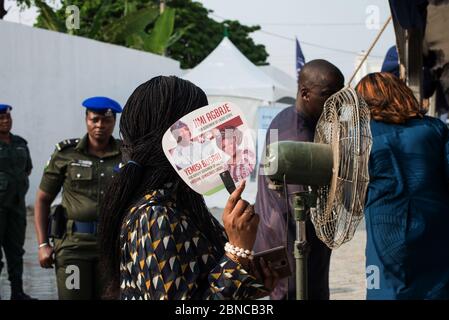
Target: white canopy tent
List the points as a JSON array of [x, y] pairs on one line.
[[227, 75], [284, 79]]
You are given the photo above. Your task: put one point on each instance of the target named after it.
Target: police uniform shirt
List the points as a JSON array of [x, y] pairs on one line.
[[83, 177], [15, 165]]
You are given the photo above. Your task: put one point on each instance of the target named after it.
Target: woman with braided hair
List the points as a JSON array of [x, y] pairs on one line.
[[158, 239]]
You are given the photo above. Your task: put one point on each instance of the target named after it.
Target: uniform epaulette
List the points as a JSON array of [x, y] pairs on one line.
[[67, 143]]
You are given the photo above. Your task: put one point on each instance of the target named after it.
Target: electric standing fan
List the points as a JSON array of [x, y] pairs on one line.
[[334, 168]]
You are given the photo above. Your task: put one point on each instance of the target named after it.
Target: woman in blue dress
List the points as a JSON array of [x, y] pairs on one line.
[[407, 206]]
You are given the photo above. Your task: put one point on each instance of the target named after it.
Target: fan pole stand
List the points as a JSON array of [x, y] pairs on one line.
[[301, 247]]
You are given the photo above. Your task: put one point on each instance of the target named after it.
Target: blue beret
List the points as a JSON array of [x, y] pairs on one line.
[[102, 104], [5, 108], [391, 62]]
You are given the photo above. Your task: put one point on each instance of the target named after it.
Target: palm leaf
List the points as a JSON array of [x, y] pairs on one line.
[[137, 40], [161, 33], [96, 23], [49, 18], [178, 35], [132, 23]]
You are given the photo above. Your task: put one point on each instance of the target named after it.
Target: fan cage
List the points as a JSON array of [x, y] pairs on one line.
[[344, 125]]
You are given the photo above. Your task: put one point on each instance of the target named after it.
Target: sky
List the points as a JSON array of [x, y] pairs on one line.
[[335, 30]]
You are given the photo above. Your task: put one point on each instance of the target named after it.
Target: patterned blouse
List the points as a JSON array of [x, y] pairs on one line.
[[164, 256]]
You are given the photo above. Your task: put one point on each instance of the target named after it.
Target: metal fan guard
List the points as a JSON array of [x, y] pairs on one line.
[[344, 125]]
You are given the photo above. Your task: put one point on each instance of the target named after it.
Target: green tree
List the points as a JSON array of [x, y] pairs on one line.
[[207, 33], [188, 33]]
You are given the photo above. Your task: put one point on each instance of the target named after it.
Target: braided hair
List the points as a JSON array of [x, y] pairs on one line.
[[149, 112]]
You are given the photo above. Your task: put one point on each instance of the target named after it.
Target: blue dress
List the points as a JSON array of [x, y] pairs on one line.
[[407, 211]]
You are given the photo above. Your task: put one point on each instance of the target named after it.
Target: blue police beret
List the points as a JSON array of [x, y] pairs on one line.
[[4, 108], [391, 62], [102, 104]]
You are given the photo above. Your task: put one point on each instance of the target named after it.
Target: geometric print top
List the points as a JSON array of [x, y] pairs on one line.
[[165, 257]]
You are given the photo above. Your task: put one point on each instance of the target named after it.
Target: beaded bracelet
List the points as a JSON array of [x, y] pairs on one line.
[[43, 244], [239, 252]]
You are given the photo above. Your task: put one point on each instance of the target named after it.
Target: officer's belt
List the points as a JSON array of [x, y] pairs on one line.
[[84, 227]]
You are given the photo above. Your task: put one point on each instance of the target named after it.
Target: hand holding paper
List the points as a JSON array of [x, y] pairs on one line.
[[240, 221]]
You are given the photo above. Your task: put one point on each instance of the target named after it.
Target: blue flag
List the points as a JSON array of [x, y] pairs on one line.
[[300, 60]]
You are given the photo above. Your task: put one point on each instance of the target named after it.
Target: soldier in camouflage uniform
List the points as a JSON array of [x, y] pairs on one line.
[[15, 167], [82, 168]]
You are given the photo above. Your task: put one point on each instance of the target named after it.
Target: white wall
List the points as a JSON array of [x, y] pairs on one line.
[[46, 75]]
